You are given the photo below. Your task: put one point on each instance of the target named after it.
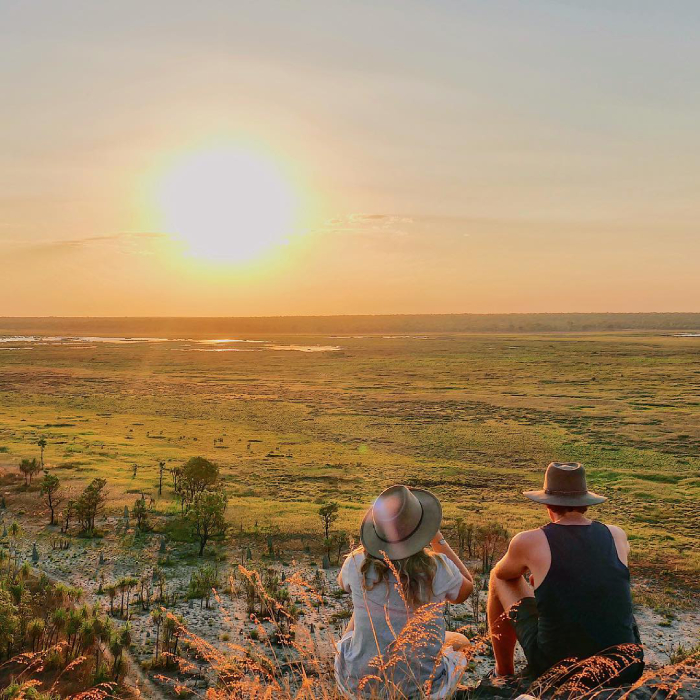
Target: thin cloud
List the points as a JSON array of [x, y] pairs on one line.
[[134, 243], [370, 224], [97, 240]]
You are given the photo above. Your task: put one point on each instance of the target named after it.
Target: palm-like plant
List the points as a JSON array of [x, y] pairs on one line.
[[35, 630], [86, 636], [73, 625], [42, 446], [131, 583], [59, 618], [111, 591], [29, 467], [157, 617]]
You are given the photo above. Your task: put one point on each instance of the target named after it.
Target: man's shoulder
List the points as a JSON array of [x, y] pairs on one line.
[[615, 529], [617, 532], [528, 539]]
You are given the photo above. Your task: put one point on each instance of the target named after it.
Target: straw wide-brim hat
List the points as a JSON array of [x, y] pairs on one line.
[[401, 522], [565, 485]]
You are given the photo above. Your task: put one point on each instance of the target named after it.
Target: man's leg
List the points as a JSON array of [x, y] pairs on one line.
[[502, 596]]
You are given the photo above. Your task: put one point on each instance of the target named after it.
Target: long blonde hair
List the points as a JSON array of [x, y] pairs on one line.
[[414, 573]]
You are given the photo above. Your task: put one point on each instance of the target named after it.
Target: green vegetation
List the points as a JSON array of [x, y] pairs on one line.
[[475, 418], [29, 467], [206, 516], [49, 642], [51, 490]]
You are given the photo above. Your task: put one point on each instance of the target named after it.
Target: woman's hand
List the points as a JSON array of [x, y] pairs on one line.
[[439, 544], [437, 540]]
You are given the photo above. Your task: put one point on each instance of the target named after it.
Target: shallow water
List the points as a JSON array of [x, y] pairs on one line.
[[305, 348], [27, 341]]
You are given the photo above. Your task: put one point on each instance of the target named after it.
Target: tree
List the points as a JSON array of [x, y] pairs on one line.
[[160, 581], [42, 446], [29, 467], [328, 514], [172, 628], [340, 539], [157, 618], [176, 473], [465, 537], [140, 513], [67, 513], [9, 622], [125, 586], [111, 591], [202, 583], [89, 503], [206, 516], [35, 631], [131, 583], [161, 469], [51, 490], [198, 475], [492, 538]]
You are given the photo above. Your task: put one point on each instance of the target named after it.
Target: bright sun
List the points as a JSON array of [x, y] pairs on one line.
[[227, 204]]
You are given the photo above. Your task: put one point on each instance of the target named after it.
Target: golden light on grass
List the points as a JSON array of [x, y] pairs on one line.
[[227, 204]]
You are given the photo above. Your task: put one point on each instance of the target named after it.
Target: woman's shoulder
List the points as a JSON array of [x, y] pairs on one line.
[[446, 575], [442, 560], [354, 559]]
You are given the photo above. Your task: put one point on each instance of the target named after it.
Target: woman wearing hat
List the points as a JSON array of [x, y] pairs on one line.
[[396, 639]]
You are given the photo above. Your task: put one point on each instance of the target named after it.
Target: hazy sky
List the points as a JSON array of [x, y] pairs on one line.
[[443, 156]]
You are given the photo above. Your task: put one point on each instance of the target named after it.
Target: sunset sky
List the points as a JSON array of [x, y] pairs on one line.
[[321, 157]]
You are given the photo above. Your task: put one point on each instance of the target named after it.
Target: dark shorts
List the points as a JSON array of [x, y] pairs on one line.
[[628, 659], [524, 617]]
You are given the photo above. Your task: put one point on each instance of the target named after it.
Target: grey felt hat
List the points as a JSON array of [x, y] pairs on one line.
[[565, 485], [401, 522]]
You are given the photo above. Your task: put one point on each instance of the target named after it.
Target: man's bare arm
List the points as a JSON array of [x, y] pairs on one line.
[[514, 564], [621, 543]]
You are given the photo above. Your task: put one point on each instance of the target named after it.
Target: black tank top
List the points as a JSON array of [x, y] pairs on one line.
[[584, 602]]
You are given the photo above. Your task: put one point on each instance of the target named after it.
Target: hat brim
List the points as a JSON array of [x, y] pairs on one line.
[[428, 528], [587, 499]]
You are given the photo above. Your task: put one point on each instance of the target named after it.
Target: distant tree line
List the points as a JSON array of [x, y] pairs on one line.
[[409, 323]]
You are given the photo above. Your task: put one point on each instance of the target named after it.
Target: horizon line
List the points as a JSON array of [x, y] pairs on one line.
[[378, 315]]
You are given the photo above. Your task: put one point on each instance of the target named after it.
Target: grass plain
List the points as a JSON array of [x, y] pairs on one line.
[[473, 417]]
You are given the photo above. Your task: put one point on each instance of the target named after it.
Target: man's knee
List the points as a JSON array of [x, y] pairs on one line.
[[511, 591], [496, 584]]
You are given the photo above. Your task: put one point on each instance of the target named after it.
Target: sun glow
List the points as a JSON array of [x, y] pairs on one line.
[[227, 204]]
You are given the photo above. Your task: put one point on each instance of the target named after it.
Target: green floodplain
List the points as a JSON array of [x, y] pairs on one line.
[[295, 421]]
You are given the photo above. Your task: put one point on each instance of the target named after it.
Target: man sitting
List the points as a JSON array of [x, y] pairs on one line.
[[581, 604]]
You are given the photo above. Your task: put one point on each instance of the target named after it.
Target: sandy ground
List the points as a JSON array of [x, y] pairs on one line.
[[226, 622]]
